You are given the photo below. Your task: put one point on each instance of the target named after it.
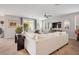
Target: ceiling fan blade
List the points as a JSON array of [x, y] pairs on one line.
[[47, 16]]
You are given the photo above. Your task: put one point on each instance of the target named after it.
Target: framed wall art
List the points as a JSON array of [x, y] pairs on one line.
[[12, 23]]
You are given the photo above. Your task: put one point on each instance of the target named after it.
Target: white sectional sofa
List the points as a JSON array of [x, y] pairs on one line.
[[44, 44]]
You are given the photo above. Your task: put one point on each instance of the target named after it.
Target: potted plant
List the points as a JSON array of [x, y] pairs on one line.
[[77, 32], [18, 30]]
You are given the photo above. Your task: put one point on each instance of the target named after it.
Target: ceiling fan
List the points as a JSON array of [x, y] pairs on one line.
[[47, 16]]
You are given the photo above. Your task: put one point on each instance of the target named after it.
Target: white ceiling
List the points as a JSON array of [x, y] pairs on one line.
[[37, 10]]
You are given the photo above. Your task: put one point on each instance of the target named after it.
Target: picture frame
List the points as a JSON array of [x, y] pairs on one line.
[[12, 23]]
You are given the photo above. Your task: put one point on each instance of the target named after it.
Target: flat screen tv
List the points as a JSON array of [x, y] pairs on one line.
[[56, 25]]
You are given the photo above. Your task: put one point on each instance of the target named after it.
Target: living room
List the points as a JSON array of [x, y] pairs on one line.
[[44, 22]]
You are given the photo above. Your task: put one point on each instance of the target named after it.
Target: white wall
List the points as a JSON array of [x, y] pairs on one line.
[[10, 31], [77, 21], [70, 18], [47, 23], [71, 30], [2, 25], [2, 19]]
